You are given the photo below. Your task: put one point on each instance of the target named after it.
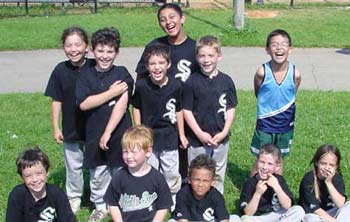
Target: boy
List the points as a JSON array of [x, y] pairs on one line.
[[276, 83], [157, 104], [199, 200], [138, 192], [107, 116], [209, 107], [36, 200], [266, 196]]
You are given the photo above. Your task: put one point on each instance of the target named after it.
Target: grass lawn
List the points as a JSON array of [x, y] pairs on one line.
[[322, 117]]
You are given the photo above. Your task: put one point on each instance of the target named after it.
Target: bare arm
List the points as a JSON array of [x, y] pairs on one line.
[[322, 213], [282, 197], [181, 128], [117, 114], [230, 116], [160, 215], [136, 114], [115, 213], [297, 79], [56, 108], [258, 79], [337, 198], [253, 204]]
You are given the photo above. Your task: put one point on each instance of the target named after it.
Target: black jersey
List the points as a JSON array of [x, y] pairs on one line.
[[22, 206], [209, 208], [61, 87], [182, 58], [208, 99], [97, 118], [158, 107], [268, 201], [138, 198], [307, 197]]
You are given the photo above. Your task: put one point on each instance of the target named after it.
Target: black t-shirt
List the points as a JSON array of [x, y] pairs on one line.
[[138, 198], [158, 107], [61, 87], [22, 206], [209, 208], [97, 118], [268, 201], [208, 99], [307, 197], [182, 58]]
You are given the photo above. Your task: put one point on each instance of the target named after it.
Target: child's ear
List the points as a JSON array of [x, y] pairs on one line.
[[183, 19], [169, 65], [278, 166], [149, 152]]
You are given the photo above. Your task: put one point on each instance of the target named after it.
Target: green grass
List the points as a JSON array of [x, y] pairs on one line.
[[322, 117], [309, 25]]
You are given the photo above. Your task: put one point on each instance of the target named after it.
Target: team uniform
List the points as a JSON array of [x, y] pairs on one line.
[[138, 198], [308, 200], [182, 58], [209, 99], [22, 206], [102, 161], [269, 208], [61, 87], [275, 111], [158, 107]]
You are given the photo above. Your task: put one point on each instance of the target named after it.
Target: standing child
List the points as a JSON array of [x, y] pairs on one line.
[[199, 200], [322, 190], [138, 192], [266, 196], [36, 200], [275, 84], [157, 104], [209, 107], [106, 105], [61, 88]]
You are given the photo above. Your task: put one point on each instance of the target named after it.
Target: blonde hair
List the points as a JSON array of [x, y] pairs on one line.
[[138, 136], [210, 41]]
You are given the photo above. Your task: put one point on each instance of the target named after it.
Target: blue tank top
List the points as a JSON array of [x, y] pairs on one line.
[[276, 102]]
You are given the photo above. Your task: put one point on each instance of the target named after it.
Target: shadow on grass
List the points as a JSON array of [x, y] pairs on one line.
[[237, 175], [344, 51], [188, 14]]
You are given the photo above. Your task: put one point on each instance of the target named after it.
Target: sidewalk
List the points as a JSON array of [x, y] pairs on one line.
[[321, 69]]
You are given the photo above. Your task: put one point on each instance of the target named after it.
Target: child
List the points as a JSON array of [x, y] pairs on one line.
[[266, 196], [276, 83], [157, 104], [322, 190], [106, 107], [199, 200], [209, 107], [138, 192], [36, 200], [61, 88]]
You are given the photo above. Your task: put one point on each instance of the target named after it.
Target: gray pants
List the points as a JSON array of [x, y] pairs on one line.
[[219, 154], [73, 159], [233, 218], [100, 177], [341, 214], [167, 162], [293, 214]]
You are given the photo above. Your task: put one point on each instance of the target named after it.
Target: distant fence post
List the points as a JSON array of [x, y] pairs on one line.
[[239, 14], [26, 5], [95, 6]]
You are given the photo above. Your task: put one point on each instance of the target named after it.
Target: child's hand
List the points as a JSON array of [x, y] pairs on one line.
[[104, 140], [58, 136], [329, 175], [261, 187], [206, 139], [118, 88], [219, 137], [184, 142], [272, 182]]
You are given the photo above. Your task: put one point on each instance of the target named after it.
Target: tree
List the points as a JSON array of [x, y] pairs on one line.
[[238, 14]]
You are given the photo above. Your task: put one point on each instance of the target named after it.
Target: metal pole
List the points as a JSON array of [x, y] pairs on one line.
[[239, 14], [26, 5]]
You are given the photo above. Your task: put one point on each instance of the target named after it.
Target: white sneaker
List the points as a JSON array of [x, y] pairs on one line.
[[97, 215], [75, 204]]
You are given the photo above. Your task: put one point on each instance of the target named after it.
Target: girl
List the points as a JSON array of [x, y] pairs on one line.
[[322, 190]]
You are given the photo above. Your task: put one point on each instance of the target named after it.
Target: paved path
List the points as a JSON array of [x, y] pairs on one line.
[[322, 69]]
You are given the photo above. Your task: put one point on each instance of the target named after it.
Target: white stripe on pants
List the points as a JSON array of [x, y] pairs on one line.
[[341, 214], [293, 214]]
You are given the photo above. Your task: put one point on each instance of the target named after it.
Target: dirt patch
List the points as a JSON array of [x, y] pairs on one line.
[[262, 13]]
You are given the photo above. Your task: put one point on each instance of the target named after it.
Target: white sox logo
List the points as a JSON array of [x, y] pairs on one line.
[[184, 70], [48, 215], [208, 214], [222, 102], [170, 106]]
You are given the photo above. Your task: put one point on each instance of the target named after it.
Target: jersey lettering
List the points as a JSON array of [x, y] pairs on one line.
[[222, 102], [208, 214], [170, 106], [132, 202], [183, 66], [48, 215], [275, 203]]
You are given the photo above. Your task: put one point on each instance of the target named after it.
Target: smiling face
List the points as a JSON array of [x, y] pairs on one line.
[[201, 181], [34, 178], [171, 22], [104, 56], [75, 49], [327, 165], [208, 58], [266, 164], [279, 49], [157, 66]]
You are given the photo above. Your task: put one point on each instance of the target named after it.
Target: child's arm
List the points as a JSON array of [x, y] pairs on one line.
[[204, 137], [160, 215], [282, 197], [297, 79], [181, 128], [56, 107], [117, 114], [258, 79], [115, 213], [324, 215], [338, 198], [93, 101], [251, 207], [230, 116], [136, 114]]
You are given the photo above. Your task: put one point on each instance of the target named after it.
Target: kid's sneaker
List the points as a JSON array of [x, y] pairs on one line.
[[75, 204], [97, 215]]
